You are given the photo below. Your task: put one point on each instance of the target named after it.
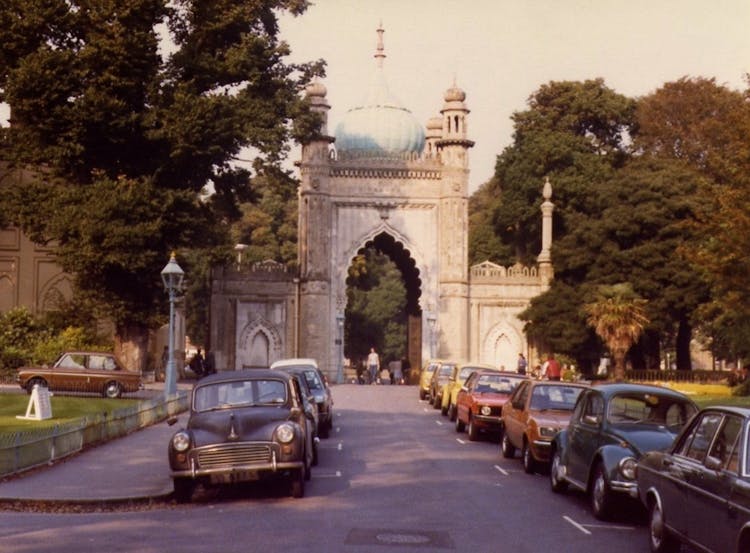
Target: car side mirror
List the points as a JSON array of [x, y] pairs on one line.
[[713, 463], [591, 419]]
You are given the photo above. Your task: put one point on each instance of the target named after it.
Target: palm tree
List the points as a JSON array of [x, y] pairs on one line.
[[618, 317]]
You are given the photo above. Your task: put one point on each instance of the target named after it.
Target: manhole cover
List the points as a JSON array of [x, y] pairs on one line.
[[399, 537]]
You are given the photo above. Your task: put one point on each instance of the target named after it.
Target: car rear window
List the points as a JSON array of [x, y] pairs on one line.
[[236, 393], [561, 398]]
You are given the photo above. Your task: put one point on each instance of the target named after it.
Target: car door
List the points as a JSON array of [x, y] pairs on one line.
[[462, 399], [304, 418], [584, 437], [69, 373], [514, 414], [711, 487]]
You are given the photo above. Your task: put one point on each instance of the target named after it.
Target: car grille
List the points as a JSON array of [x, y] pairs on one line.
[[234, 454]]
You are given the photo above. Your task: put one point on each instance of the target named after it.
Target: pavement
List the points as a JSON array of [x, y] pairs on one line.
[[133, 468]]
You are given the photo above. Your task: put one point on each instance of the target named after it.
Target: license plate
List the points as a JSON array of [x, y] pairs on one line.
[[236, 476]]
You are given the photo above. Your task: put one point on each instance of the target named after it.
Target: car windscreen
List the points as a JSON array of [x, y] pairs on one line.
[[239, 393], [465, 372], [561, 397], [496, 383], [313, 380], [653, 408]]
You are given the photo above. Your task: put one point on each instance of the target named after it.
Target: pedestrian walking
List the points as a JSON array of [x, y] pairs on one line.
[[522, 364], [373, 365]]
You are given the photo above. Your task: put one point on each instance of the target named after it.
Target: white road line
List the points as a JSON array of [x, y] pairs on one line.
[[459, 440], [501, 470], [340, 446], [337, 475], [574, 523], [439, 423]]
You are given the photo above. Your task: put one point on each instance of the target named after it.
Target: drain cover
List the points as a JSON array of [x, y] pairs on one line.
[[399, 537]]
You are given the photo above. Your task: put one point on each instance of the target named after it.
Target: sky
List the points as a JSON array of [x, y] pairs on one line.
[[501, 51]]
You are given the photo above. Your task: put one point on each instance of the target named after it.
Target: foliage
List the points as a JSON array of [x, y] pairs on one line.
[[26, 339], [133, 142], [376, 308], [619, 316]]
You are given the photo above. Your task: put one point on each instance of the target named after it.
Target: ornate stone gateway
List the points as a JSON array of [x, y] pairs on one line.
[[384, 180]]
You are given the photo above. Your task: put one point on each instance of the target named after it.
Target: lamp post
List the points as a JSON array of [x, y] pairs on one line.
[[239, 248], [340, 341], [171, 275]]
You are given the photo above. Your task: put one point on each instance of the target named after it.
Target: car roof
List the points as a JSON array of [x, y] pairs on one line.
[[244, 374], [611, 388], [295, 362], [495, 372], [733, 409], [559, 383]]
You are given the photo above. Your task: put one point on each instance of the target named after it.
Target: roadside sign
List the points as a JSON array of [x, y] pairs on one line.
[[40, 407]]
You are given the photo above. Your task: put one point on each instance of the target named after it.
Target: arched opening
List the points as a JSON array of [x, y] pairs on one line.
[[383, 309]]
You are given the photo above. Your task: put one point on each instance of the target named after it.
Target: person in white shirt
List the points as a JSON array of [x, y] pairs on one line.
[[373, 365]]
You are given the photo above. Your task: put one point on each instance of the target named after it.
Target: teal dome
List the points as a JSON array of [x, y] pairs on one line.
[[380, 125]]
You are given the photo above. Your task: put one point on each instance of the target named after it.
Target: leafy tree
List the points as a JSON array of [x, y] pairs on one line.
[[131, 141], [618, 316]]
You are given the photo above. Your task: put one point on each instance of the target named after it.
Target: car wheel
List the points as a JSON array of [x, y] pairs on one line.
[[451, 412], [507, 448], [601, 496], [323, 431], [459, 424], [556, 477], [308, 469], [529, 463], [422, 394], [444, 410], [297, 483], [472, 430], [315, 454], [436, 402], [35, 382], [183, 489], [659, 538], [112, 390]]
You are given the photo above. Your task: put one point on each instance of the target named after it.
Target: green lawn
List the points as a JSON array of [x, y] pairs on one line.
[[737, 401], [64, 409]]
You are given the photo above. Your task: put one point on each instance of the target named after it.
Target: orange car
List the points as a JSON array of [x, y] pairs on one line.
[[536, 411], [480, 400]]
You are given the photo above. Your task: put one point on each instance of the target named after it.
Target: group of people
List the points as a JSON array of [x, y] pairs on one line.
[[200, 365], [551, 369], [396, 372]]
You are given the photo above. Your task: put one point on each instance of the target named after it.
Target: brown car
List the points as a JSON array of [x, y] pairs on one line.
[[479, 402], [82, 371], [536, 411]]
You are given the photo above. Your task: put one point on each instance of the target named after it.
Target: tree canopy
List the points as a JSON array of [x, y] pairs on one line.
[[138, 137]]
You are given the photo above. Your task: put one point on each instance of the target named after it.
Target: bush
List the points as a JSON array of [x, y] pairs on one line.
[[742, 389]]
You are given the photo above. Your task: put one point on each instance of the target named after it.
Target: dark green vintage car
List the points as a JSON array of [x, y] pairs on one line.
[[698, 491], [611, 427]]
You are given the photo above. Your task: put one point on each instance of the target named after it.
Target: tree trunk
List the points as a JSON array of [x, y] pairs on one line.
[[618, 356], [682, 345], [131, 346]]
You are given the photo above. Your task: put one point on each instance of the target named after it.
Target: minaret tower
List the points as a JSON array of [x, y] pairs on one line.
[[544, 259]]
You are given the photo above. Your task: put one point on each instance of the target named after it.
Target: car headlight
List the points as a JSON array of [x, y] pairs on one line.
[[485, 410], [628, 466], [181, 441], [285, 433], [547, 431]]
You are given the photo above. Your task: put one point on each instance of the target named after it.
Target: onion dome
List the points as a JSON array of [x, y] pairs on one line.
[[316, 89], [380, 124], [454, 94]]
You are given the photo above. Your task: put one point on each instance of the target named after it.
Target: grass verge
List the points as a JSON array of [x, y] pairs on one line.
[[64, 409]]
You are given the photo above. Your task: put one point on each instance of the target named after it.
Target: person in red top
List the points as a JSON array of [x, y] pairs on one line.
[[552, 369]]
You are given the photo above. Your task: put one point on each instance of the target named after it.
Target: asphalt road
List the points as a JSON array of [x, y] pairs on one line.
[[394, 477]]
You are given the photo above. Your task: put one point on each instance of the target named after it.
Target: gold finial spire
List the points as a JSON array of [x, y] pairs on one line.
[[380, 49]]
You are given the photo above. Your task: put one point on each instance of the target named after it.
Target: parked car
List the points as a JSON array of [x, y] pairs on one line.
[[698, 491], [480, 401], [612, 426], [457, 379], [425, 376], [243, 426], [439, 380], [82, 371], [318, 385], [537, 410]]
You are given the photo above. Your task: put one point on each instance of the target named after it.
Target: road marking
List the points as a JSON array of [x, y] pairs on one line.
[[439, 423], [340, 446], [501, 470], [337, 475], [459, 440], [574, 523]]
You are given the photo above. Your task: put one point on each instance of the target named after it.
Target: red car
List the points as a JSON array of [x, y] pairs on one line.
[[480, 401]]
